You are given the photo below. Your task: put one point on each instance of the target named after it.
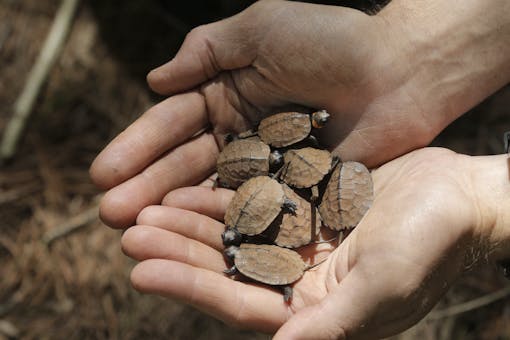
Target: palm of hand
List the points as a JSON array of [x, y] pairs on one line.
[[274, 55], [386, 275], [281, 55]]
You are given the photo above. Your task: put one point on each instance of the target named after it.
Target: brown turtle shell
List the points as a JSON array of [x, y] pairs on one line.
[[241, 160], [305, 167], [255, 205], [295, 229], [285, 128], [347, 197], [269, 264]]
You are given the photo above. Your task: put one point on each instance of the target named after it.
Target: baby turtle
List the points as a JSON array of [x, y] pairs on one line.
[[255, 205], [347, 197], [305, 167], [268, 264], [286, 128], [295, 230], [243, 159]]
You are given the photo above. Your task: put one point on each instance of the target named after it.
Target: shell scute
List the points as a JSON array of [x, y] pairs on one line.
[[348, 196], [285, 128], [256, 203], [295, 230], [269, 264], [242, 159], [306, 167]]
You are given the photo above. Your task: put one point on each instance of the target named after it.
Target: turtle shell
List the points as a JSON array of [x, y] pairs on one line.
[[347, 197], [295, 229], [241, 160], [284, 129], [256, 203], [305, 167], [269, 264]]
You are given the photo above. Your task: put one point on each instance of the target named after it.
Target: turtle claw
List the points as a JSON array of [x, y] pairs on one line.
[[290, 206], [231, 271], [326, 241]]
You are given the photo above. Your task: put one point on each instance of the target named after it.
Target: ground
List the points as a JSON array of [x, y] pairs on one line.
[[77, 286]]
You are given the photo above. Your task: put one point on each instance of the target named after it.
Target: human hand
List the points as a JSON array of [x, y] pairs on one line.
[[433, 210], [380, 77]]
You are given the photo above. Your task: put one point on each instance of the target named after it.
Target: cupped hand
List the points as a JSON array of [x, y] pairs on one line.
[[386, 275], [275, 55]]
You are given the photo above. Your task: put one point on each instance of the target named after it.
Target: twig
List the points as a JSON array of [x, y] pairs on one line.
[[470, 305], [18, 192], [37, 76], [71, 225], [8, 329]]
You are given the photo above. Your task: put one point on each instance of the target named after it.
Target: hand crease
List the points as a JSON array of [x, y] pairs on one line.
[[214, 68], [194, 284], [247, 107], [240, 302], [148, 179], [187, 252]]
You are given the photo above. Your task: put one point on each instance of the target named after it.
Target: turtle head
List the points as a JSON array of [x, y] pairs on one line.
[[231, 252], [275, 159], [320, 118], [231, 237]]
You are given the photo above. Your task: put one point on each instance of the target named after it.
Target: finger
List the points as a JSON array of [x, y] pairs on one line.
[[186, 223], [202, 200], [185, 165], [161, 128], [225, 45], [238, 304], [143, 242]]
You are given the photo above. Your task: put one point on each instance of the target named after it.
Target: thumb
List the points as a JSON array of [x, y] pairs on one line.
[[350, 311], [207, 50]]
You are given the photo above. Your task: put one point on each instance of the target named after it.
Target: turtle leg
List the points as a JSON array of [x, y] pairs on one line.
[[313, 207], [335, 162], [281, 171], [246, 134], [231, 271], [313, 141], [289, 206], [315, 194], [287, 293], [216, 183], [229, 137]]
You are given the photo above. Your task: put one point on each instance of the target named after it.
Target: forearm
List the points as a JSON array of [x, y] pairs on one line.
[[451, 54], [490, 178]]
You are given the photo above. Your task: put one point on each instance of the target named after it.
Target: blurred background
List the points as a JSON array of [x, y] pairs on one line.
[[62, 273]]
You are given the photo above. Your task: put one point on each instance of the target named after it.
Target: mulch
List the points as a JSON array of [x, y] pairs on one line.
[[77, 286]]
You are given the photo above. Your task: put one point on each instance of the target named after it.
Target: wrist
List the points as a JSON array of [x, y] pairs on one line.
[[490, 180], [448, 56]]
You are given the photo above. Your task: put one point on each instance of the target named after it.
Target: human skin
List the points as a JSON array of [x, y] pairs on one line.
[[391, 81], [435, 213]]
